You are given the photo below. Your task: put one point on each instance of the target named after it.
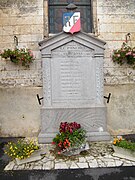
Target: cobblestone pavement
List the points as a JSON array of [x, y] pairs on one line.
[[99, 155]]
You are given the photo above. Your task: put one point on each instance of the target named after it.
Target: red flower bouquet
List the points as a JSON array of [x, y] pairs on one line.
[[70, 135]]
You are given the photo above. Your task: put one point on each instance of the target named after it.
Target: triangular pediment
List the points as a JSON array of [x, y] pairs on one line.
[[62, 39], [72, 49]]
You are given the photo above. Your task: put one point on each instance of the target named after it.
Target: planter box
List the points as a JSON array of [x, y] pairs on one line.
[[124, 153], [36, 156], [76, 151]]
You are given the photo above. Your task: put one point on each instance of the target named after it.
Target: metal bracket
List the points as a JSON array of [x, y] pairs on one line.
[[16, 41], [108, 97], [39, 99]]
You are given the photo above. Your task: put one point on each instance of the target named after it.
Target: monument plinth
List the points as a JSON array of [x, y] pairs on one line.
[[73, 85]]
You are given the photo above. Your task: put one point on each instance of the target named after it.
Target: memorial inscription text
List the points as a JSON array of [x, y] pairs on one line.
[[73, 74]]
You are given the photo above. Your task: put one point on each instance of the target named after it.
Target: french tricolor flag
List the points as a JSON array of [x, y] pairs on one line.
[[71, 22]]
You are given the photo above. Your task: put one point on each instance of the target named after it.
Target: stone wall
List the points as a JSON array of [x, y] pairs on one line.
[[115, 19], [23, 19], [28, 20], [19, 109]]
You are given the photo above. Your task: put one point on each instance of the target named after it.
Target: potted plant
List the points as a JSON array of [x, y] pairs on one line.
[[18, 56], [123, 148], [21, 149], [124, 55], [70, 140]]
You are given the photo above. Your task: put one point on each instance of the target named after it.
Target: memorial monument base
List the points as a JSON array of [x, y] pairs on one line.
[[92, 119], [44, 138]]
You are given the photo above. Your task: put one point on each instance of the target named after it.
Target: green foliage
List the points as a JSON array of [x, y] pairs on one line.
[[75, 139], [127, 145], [19, 56], [20, 149], [70, 135], [124, 143], [124, 55]]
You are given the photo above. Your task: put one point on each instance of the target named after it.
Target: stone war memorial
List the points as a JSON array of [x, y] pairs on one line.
[[73, 81], [73, 85]]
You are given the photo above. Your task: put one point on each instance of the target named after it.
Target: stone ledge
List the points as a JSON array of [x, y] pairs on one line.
[[36, 156], [124, 153]]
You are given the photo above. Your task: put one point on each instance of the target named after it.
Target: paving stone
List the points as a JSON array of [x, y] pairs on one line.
[[10, 166], [126, 164], [61, 165], [108, 159], [75, 159], [59, 160], [48, 165], [126, 161], [101, 163], [28, 166], [20, 167], [111, 164], [51, 157], [118, 162], [93, 163], [89, 158], [133, 163], [115, 158], [82, 159], [49, 147], [68, 163], [95, 155], [82, 165], [74, 166], [101, 158], [38, 163], [37, 167], [108, 156], [15, 167], [45, 159]]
